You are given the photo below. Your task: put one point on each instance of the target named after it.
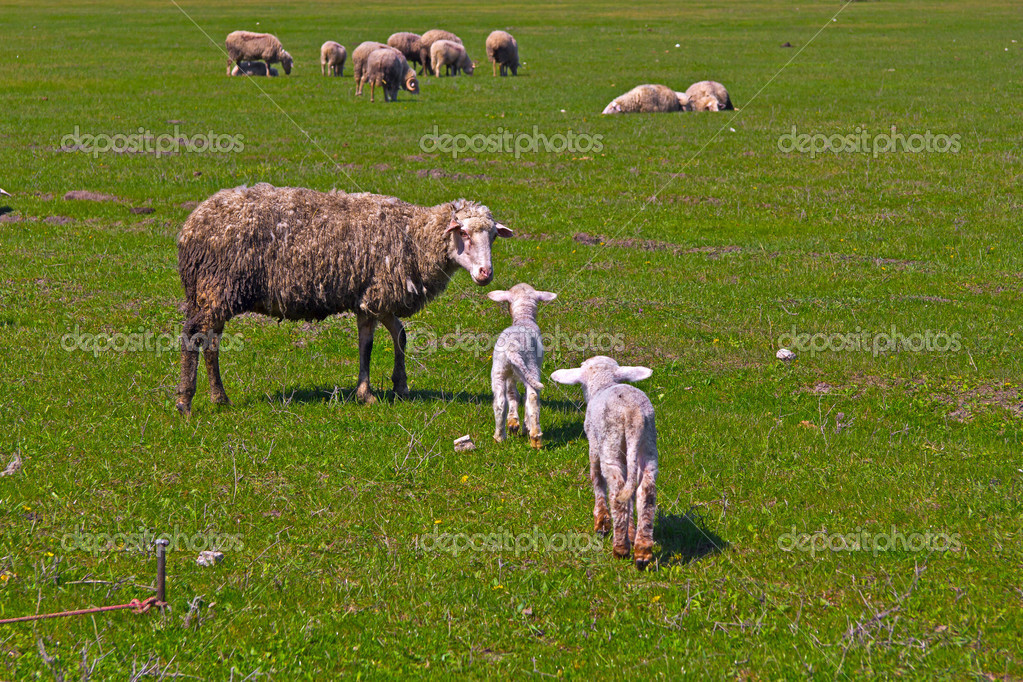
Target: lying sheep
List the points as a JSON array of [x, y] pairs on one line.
[[333, 56], [709, 96], [502, 49], [359, 58], [298, 254], [409, 44], [387, 68], [426, 45], [649, 99], [451, 56], [518, 356], [253, 69], [623, 452], [249, 46]]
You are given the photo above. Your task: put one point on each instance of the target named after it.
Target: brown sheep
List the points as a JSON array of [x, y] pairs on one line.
[[359, 58], [709, 96], [387, 67], [333, 56], [298, 254], [249, 46], [253, 69], [504, 50], [409, 44], [647, 99], [452, 57], [426, 43]]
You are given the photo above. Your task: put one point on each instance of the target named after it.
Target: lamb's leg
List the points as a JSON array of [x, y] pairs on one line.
[[211, 355], [646, 508], [398, 376], [367, 325], [512, 391], [533, 417], [498, 386], [601, 517], [619, 510]]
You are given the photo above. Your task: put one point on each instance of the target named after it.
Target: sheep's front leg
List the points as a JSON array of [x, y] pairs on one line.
[[646, 508], [398, 376], [372, 90], [367, 325], [601, 517], [498, 386], [512, 392], [533, 417], [211, 355]]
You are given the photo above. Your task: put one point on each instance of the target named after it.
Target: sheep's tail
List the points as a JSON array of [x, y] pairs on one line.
[[632, 465], [530, 374]]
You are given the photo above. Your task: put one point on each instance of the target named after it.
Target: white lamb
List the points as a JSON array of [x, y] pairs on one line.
[[518, 355], [623, 452]]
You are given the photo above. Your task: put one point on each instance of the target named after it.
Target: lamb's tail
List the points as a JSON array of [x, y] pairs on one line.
[[529, 372], [632, 462]]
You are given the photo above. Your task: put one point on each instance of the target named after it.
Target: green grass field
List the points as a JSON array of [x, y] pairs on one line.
[[692, 238]]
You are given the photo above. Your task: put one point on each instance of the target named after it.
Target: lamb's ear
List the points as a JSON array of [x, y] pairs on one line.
[[500, 296], [546, 296], [503, 231], [568, 376], [633, 373]]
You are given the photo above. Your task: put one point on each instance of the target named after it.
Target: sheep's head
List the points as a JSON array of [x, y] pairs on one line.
[[468, 65], [286, 62], [684, 101], [600, 372], [707, 103], [522, 299], [472, 230]]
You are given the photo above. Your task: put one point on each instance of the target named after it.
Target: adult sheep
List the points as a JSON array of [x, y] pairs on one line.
[[426, 44], [503, 50], [298, 254], [409, 44], [648, 99], [359, 59], [709, 96], [452, 56], [387, 68], [249, 46], [332, 56]]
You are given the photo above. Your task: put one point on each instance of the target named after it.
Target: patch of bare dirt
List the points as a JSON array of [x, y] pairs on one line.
[[438, 173], [188, 205], [141, 210], [85, 195], [653, 245]]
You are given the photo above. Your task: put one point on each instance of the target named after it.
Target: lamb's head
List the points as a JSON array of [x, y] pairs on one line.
[[598, 373], [472, 231], [411, 83], [706, 103], [286, 62], [613, 108], [684, 101], [522, 300]]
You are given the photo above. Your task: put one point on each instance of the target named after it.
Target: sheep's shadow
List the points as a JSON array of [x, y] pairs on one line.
[[5, 210], [684, 538], [332, 393]]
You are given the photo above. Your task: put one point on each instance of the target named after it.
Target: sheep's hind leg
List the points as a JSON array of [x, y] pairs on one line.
[[497, 385], [194, 334], [367, 325], [601, 517], [619, 510], [512, 391], [398, 376], [646, 507], [533, 417]]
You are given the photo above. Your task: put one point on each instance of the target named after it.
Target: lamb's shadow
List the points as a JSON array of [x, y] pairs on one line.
[[332, 393], [685, 538]]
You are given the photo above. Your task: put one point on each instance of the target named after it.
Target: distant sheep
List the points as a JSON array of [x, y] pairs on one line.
[[709, 96], [253, 69], [387, 68], [249, 46], [359, 58], [623, 452], [503, 50], [518, 356], [649, 99], [333, 56], [409, 44], [298, 254], [426, 44], [451, 56]]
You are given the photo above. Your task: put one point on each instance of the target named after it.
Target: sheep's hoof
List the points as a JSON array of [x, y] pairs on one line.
[[401, 393], [498, 438], [513, 427], [643, 555], [641, 564], [221, 399], [536, 442], [621, 551], [184, 408], [602, 523], [365, 395]]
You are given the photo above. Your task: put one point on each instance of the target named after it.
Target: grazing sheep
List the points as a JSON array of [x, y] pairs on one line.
[[703, 92], [298, 254], [409, 44], [623, 452], [333, 56], [648, 99], [387, 68], [359, 58], [426, 44], [249, 46], [518, 355], [452, 56], [253, 69], [504, 50]]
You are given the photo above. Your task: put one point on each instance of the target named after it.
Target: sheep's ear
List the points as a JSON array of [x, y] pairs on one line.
[[453, 225], [499, 295], [633, 373], [503, 231], [568, 376], [546, 296]]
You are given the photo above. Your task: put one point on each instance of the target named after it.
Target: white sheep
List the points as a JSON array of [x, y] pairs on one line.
[[623, 452], [709, 96], [518, 356], [249, 46], [452, 56], [649, 99], [253, 69], [333, 55], [503, 50]]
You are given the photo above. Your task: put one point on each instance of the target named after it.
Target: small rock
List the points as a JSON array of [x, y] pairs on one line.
[[787, 44], [209, 557], [197, 174], [464, 443], [784, 354]]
